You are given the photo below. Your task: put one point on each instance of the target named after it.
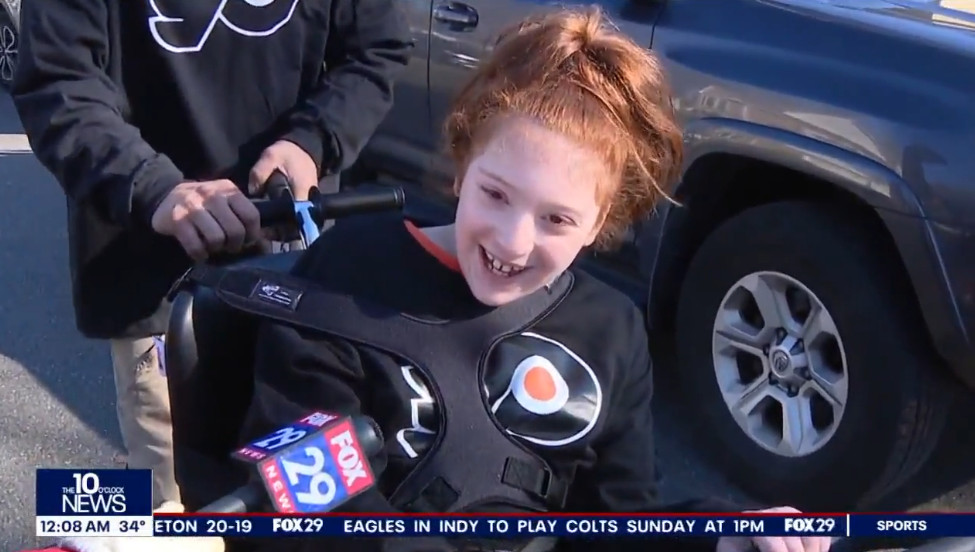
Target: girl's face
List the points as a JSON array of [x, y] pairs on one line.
[[528, 204]]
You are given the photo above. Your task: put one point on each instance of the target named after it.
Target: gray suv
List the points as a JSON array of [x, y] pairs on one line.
[[819, 275]]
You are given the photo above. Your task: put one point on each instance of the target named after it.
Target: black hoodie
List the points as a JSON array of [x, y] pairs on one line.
[[595, 338], [124, 99]]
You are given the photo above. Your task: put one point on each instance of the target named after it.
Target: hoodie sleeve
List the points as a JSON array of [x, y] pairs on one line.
[[72, 112], [369, 45]]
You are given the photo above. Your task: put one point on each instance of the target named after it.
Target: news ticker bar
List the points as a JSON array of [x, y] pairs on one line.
[[513, 526]]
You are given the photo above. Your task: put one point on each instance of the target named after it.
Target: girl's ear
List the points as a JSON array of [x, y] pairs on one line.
[[457, 186], [597, 228]]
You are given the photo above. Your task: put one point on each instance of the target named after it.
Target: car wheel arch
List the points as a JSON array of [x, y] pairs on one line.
[[720, 183]]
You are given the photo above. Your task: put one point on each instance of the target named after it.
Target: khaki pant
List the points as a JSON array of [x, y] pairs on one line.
[[143, 413]]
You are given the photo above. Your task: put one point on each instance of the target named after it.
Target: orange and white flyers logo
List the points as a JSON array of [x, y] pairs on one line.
[[541, 391]]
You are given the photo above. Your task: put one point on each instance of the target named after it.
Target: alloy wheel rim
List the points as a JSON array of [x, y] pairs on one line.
[[780, 364]]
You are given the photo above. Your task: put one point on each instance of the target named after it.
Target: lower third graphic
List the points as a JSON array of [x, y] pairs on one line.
[[77, 502]]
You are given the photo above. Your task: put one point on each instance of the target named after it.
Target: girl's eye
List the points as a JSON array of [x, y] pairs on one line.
[[559, 220], [493, 194]]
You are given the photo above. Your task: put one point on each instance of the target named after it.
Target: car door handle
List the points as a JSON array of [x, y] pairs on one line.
[[456, 14]]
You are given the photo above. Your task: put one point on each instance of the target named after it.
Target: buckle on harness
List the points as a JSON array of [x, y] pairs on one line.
[[538, 481], [199, 274], [436, 496], [178, 284]]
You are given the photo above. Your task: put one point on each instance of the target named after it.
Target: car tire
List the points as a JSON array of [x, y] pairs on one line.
[[9, 46], [896, 393]]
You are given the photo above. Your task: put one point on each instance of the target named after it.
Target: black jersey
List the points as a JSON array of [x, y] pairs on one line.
[[591, 410]]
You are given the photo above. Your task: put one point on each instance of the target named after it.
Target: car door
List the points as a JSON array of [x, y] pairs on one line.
[[462, 33], [406, 128]]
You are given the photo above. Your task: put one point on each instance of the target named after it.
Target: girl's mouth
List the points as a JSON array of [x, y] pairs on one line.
[[499, 268]]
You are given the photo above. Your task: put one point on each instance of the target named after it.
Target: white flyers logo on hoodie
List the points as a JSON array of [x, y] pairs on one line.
[[182, 26]]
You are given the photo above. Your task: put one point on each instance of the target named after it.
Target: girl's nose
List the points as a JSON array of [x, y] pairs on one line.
[[516, 239]]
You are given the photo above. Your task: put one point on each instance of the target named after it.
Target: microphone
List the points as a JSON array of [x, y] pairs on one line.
[[312, 465]]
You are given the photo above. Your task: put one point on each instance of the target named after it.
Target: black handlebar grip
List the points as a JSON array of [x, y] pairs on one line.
[[277, 185], [279, 207], [276, 211], [343, 204], [281, 210]]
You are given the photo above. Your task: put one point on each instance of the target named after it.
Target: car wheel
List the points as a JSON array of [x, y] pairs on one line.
[[805, 355], [9, 43]]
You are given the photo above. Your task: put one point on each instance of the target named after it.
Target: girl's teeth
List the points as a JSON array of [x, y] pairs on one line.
[[500, 268]]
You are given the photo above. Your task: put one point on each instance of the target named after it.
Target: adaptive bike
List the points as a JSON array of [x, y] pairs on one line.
[[209, 359]]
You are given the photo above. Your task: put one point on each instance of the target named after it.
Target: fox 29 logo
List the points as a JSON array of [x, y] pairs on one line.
[[319, 472], [88, 496]]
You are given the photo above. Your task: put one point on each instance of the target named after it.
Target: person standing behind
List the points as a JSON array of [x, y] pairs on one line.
[[154, 116]]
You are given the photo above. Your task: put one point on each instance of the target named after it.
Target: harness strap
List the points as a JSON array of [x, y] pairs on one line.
[[443, 481]]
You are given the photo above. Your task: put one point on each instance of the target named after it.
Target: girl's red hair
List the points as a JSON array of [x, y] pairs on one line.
[[575, 74]]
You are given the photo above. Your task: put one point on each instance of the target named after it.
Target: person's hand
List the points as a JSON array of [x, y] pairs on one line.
[[144, 544], [208, 217], [292, 161], [774, 544]]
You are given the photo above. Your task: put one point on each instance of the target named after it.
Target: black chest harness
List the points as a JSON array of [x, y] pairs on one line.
[[473, 462]]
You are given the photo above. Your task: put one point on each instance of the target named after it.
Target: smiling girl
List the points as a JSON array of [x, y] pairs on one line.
[[563, 138]]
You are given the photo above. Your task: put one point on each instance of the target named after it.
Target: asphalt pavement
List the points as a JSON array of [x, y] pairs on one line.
[[57, 404]]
